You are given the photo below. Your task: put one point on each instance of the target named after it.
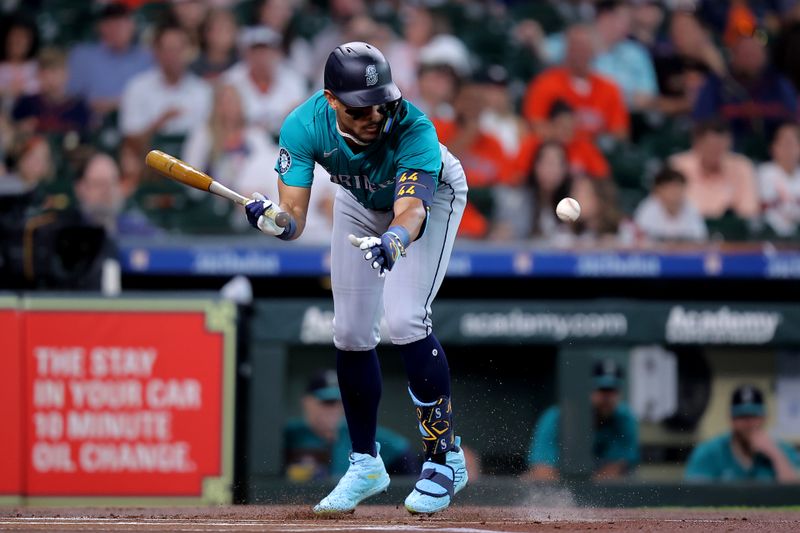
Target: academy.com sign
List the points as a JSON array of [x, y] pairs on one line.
[[551, 326], [618, 321], [317, 325], [721, 326]]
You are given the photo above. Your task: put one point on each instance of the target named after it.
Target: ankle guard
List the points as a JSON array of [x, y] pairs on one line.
[[435, 424]]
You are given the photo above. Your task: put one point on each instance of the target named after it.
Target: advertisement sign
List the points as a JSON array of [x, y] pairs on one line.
[[563, 322], [11, 434], [126, 402], [209, 257]]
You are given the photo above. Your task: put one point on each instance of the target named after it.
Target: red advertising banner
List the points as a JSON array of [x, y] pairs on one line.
[[11, 405], [123, 403]]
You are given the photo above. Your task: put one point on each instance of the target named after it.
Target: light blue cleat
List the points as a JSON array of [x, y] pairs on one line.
[[365, 477], [437, 484]]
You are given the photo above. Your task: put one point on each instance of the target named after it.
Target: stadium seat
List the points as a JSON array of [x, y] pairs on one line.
[[671, 137], [729, 226], [542, 12], [64, 22], [245, 12], [629, 198], [629, 165], [171, 144]]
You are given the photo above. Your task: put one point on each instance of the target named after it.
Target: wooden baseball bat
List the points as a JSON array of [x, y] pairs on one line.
[[174, 168]]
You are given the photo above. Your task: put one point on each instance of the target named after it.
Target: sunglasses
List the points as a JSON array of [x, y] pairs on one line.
[[359, 113]]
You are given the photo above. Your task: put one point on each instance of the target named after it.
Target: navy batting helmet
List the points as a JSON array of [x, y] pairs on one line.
[[358, 75]]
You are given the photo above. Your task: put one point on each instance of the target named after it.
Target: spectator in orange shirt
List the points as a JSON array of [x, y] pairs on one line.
[[597, 101], [584, 158], [718, 179], [481, 155]]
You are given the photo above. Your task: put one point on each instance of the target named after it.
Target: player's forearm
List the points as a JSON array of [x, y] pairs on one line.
[[294, 200], [299, 216], [784, 469], [611, 470], [409, 213], [542, 473]]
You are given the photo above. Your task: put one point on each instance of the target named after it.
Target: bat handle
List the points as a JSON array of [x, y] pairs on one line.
[[283, 219]]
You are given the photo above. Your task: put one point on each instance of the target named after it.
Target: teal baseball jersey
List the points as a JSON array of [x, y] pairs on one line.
[[617, 440], [713, 460], [301, 442], [309, 135]]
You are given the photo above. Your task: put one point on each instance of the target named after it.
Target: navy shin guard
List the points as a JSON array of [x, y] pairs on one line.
[[435, 425]]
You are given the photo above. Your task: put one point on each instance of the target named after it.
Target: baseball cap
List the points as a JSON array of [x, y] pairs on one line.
[[747, 400], [324, 386], [607, 374], [259, 36], [446, 50], [492, 74]]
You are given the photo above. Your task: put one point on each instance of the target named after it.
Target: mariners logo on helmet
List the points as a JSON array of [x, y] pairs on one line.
[[371, 75], [284, 161]]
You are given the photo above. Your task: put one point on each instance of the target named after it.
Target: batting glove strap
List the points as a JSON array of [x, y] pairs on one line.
[[436, 480], [394, 243], [289, 232]]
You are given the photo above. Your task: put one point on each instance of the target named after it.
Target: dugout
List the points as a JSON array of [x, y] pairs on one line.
[[510, 359]]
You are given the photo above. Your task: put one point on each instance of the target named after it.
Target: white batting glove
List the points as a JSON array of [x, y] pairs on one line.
[[256, 208]]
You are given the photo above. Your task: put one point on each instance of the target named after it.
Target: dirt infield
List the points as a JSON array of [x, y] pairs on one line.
[[379, 519]]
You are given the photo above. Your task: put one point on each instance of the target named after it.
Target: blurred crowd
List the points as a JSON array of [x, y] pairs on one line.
[[668, 120]]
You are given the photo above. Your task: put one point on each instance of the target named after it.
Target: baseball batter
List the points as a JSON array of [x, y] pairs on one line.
[[395, 219]]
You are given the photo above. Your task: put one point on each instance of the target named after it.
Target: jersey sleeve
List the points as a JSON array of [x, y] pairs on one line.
[[625, 446], [393, 445], [419, 149], [544, 443], [701, 464], [295, 164]]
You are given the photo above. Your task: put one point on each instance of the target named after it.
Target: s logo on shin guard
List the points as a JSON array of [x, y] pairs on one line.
[[435, 426]]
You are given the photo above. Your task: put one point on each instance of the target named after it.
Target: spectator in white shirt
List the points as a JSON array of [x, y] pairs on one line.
[[237, 155], [269, 89], [667, 214], [167, 99], [779, 181], [242, 157]]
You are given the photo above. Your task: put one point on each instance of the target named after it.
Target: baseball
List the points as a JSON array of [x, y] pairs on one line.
[[568, 210]]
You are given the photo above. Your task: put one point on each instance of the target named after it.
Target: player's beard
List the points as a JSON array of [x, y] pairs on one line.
[[373, 130], [359, 138]]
